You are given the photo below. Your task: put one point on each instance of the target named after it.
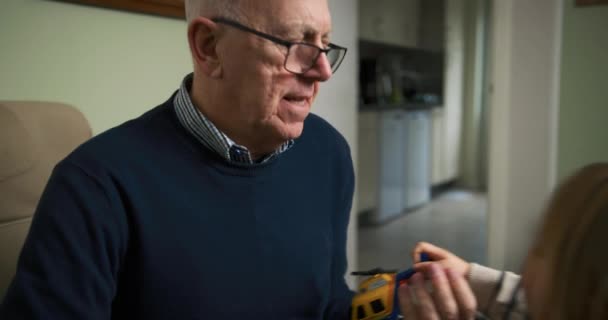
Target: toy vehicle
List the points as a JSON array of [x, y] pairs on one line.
[[377, 297]]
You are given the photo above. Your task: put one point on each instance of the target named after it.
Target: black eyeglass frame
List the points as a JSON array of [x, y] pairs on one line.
[[289, 44]]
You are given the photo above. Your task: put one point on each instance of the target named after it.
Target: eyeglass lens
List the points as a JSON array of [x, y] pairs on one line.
[[302, 57], [334, 57]]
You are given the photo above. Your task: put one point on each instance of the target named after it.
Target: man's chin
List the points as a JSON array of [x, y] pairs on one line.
[[293, 131], [278, 131]]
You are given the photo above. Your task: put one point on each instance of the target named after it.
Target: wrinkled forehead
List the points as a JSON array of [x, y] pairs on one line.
[[292, 18]]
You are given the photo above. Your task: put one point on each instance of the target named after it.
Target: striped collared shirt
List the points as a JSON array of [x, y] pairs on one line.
[[208, 134]]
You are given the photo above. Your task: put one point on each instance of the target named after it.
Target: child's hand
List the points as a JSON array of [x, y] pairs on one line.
[[445, 258], [451, 296]]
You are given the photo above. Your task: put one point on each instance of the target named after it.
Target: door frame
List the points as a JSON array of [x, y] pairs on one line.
[[525, 60]]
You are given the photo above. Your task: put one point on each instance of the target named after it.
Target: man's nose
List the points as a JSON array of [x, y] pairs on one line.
[[321, 70]]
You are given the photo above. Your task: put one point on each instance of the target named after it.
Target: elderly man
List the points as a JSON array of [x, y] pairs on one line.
[[228, 201]]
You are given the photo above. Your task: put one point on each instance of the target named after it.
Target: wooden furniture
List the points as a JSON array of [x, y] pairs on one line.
[[169, 8], [590, 2]]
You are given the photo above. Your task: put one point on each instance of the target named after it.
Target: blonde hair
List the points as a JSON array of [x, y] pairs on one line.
[[573, 240]]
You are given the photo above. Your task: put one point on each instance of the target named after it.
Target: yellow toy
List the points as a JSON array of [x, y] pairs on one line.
[[377, 297]]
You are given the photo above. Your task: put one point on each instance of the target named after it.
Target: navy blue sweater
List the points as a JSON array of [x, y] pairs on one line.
[[143, 222]]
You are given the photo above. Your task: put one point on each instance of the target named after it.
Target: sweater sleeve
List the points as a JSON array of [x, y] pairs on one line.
[[69, 264], [341, 295], [494, 291]]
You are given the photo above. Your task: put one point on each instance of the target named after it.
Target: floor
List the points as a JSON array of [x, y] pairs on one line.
[[455, 220]]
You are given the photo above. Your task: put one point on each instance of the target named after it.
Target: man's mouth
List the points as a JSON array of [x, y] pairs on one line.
[[297, 100]]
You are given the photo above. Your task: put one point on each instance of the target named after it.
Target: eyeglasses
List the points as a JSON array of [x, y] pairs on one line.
[[301, 56]]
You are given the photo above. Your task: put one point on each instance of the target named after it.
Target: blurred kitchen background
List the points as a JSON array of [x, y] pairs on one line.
[[421, 130]]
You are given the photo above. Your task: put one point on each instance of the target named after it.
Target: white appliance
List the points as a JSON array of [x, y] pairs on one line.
[[404, 172], [391, 200], [417, 158]]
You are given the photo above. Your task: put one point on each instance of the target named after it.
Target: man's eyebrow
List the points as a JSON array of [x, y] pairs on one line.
[[300, 30]]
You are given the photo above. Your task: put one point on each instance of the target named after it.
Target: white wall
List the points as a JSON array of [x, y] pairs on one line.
[[115, 65], [583, 111], [112, 65], [338, 99], [453, 84], [472, 158], [523, 130]]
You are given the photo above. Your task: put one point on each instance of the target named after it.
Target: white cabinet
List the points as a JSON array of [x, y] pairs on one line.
[[392, 184], [389, 21], [393, 162], [417, 158]]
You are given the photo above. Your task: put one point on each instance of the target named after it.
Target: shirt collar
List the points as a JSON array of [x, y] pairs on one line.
[[208, 134]]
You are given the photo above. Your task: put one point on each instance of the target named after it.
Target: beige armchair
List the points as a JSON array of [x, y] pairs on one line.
[[34, 137]]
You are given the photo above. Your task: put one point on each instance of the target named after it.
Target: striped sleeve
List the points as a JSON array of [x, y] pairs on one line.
[[497, 292]]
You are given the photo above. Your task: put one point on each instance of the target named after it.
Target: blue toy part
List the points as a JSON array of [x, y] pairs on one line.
[[401, 276], [424, 257]]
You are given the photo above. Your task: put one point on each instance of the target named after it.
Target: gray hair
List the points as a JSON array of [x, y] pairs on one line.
[[210, 8]]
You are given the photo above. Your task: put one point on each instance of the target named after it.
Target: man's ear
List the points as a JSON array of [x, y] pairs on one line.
[[202, 37]]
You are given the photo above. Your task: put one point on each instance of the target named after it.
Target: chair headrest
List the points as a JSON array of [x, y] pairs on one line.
[[17, 148], [34, 137]]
